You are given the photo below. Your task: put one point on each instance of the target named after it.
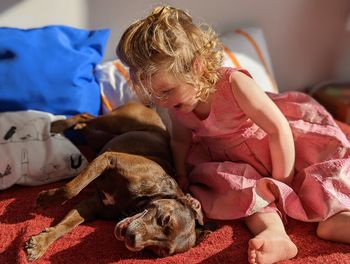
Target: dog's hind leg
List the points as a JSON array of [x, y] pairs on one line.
[[60, 126], [128, 117], [86, 210], [59, 195]]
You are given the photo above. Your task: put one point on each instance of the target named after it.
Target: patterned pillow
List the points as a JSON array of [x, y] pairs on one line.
[[31, 154]]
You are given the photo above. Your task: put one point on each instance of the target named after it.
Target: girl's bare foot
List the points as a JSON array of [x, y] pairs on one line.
[[268, 248]]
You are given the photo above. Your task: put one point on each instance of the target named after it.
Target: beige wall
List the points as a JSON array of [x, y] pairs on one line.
[[35, 13], [307, 39]]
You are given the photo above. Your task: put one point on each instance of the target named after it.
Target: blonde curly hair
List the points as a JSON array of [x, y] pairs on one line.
[[168, 40]]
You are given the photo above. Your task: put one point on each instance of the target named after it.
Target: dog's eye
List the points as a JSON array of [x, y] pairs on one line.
[[163, 220], [167, 230]]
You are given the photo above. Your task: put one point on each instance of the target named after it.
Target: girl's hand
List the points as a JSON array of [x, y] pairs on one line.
[[183, 183]]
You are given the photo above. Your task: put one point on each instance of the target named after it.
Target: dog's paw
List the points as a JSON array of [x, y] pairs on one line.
[[79, 121], [50, 197], [79, 126], [37, 245], [60, 126]]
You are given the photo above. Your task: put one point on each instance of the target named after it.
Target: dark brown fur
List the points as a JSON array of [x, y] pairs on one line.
[[133, 178]]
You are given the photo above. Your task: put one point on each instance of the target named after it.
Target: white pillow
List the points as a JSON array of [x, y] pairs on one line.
[[31, 154], [246, 48], [115, 85]]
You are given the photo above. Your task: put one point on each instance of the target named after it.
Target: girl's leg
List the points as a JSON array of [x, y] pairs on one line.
[[336, 228], [271, 242]]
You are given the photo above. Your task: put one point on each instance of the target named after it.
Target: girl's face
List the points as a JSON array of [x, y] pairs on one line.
[[170, 92]]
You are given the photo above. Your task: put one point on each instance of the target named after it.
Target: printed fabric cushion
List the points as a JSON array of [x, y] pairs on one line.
[[31, 154]]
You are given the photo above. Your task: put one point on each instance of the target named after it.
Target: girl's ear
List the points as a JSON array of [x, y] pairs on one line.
[[198, 66]]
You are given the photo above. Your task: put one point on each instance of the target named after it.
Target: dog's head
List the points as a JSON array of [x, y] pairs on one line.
[[166, 226]]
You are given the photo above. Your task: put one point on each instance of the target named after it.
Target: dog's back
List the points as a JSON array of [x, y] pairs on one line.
[[151, 144], [135, 129]]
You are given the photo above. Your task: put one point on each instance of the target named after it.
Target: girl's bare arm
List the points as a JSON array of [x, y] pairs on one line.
[[180, 144], [255, 103]]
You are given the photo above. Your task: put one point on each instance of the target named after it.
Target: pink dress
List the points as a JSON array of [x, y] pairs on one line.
[[231, 173]]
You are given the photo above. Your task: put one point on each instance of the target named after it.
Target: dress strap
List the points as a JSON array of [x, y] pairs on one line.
[[242, 70]]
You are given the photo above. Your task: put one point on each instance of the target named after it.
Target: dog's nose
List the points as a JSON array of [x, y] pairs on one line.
[[131, 238], [134, 241]]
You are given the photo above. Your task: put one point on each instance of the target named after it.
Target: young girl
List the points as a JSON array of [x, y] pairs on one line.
[[243, 152]]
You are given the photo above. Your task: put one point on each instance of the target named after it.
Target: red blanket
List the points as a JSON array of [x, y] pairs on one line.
[[95, 243]]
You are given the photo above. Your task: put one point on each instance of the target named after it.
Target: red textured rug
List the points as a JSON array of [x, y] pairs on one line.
[[95, 243]]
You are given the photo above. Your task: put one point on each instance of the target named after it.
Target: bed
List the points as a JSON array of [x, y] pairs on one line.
[[61, 72]]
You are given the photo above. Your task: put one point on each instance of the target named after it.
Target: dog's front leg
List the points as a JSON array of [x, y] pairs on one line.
[[37, 245], [103, 162]]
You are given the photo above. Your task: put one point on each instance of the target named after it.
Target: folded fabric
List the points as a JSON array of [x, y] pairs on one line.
[[50, 69]]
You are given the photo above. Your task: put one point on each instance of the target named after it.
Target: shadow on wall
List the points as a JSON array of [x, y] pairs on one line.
[[117, 15], [6, 4]]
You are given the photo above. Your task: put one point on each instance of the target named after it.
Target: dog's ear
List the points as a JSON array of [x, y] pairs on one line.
[[203, 231], [196, 206], [201, 234]]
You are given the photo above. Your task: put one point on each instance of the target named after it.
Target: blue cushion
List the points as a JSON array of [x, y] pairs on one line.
[[50, 69]]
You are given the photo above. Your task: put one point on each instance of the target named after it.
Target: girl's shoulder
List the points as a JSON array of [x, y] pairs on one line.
[[226, 72], [223, 85]]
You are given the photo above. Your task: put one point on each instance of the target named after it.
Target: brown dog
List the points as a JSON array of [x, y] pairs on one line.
[[132, 175]]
